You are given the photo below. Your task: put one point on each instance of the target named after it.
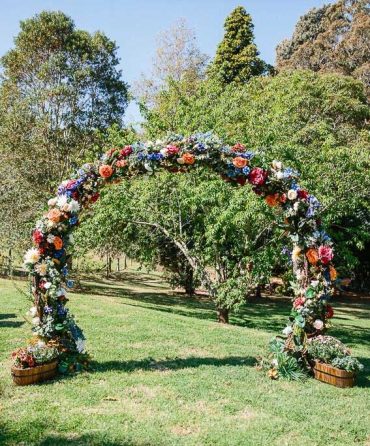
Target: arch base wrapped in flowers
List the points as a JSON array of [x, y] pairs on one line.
[[47, 261]]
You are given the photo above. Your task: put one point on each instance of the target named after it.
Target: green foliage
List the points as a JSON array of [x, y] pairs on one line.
[[60, 85], [315, 123], [225, 230], [236, 57], [332, 351]]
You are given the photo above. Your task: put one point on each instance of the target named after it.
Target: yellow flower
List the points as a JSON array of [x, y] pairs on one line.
[[273, 373]]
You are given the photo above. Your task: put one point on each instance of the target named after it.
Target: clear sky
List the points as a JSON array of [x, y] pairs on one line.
[[134, 24]]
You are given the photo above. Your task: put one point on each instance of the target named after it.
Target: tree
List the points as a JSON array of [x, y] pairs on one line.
[[333, 38], [237, 58], [177, 58], [219, 233], [60, 85], [316, 123]]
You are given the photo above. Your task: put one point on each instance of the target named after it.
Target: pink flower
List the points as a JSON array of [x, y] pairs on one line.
[[172, 150], [325, 254], [257, 176], [299, 302]]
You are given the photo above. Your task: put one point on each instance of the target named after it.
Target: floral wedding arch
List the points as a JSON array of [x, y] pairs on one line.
[[312, 251]]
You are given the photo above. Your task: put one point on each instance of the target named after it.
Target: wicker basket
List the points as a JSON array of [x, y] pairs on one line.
[[331, 375], [24, 377]]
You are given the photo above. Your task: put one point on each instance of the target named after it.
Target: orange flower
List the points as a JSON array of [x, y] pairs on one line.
[[333, 273], [121, 163], [240, 162], [312, 256], [105, 171], [188, 158], [272, 200], [58, 243], [273, 373], [54, 215]]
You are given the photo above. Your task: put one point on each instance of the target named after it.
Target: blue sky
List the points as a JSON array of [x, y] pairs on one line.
[[134, 24]]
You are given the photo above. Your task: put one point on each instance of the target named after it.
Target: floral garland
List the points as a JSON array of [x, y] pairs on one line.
[[311, 255]]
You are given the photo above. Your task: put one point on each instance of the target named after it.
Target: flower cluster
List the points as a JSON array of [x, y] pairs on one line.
[[312, 252], [34, 355]]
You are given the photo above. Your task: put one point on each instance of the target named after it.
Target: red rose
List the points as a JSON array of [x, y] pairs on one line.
[[257, 176], [329, 312], [75, 195], [302, 194], [94, 197], [172, 150], [126, 151], [282, 198], [105, 171], [37, 236], [325, 254]]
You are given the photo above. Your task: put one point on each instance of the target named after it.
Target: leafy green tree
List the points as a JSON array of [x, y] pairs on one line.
[[60, 85], [315, 123], [333, 38], [222, 234], [237, 58]]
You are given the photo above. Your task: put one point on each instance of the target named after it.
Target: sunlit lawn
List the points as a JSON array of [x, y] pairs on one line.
[[164, 373]]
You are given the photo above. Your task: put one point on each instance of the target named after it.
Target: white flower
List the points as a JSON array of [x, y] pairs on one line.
[[277, 165], [74, 206], [61, 292], [318, 324], [36, 320], [158, 142], [292, 194], [50, 225], [52, 202], [296, 206], [287, 330], [274, 362], [41, 344], [32, 256], [32, 311], [71, 239], [296, 253], [180, 160], [148, 167], [300, 274], [62, 200], [279, 175], [41, 268], [50, 238], [47, 285], [80, 345], [314, 283], [164, 152]]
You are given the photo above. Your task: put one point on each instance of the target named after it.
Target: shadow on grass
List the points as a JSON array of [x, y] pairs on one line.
[[84, 440], [267, 314], [362, 380], [7, 323], [151, 364]]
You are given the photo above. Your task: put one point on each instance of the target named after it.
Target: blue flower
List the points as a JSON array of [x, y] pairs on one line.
[[201, 147], [154, 156], [61, 310], [73, 220], [65, 271], [231, 173], [140, 156], [59, 253], [70, 283], [246, 170], [313, 206]]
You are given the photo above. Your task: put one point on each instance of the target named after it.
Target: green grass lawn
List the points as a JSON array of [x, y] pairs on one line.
[[164, 373]]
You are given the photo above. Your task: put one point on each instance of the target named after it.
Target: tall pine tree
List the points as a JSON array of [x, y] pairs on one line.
[[237, 58]]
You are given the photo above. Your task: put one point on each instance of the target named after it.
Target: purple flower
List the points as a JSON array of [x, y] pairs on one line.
[[48, 309], [61, 310], [313, 206]]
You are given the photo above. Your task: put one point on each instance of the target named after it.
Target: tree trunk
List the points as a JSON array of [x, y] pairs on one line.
[[258, 292], [223, 315], [118, 266], [189, 281]]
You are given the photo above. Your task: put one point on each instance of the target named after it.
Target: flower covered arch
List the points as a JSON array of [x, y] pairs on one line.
[[312, 251]]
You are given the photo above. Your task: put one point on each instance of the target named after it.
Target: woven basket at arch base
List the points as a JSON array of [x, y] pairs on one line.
[[331, 375], [24, 377]]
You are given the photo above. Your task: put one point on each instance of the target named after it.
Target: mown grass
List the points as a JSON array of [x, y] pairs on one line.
[[164, 373]]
